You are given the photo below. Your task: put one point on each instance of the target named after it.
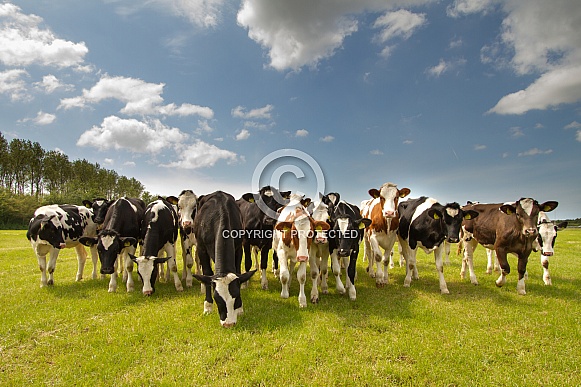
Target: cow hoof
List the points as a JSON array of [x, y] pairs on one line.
[[521, 292], [180, 288], [50, 282], [112, 290], [79, 278], [189, 283], [315, 299], [325, 291], [444, 291], [265, 286]]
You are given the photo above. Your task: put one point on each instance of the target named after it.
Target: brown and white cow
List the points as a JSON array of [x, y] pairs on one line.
[[506, 228], [382, 210], [293, 235]]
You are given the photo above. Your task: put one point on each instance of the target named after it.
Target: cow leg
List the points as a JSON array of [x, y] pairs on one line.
[[95, 259], [336, 266], [324, 269], [447, 249], [263, 266], [546, 274], [351, 265], [247, 255], [284, 274], [491, 258], [170, 251], [81, 260], [387, 260], [366, 246], [113, 280], [275, 269], [376, 255], [53, 255], [128, 267], [314, 269], [504, 267], [410, 262], [522, 269], [440, 268], [42, 267], [188, 262], [468, 259], [204, 260], [302, 278]]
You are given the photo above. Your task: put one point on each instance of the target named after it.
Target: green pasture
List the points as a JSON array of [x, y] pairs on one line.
[[77, 334]]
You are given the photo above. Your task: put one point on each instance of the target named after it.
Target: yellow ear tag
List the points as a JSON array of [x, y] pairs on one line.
[[436, 216], [319, 228], [361, 226], [127, 244], [546, 208], [467, 216], [509, 212], [251, 200]]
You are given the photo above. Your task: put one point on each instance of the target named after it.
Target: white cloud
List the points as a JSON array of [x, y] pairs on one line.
[[398, 24], [302, 133], [50, 84], [536, 152], [573, 125], [376, 152], [327, 139], [552, 52], [263, 113], [243, 135], [479, 147], [133, 135], [516, 132], [140, 98], [129, 163], [12, 84], [408, 142], [578, 138], [43, 118], [201, 155], [23, 42], [444, 66], [108, 161]]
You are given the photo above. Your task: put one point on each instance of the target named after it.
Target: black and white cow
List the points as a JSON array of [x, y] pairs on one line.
[[258, 224], [425, 223], [99, 207], [186, 203], [118, 239], [216, 225], [56, 227], [344, 239], [546, 242], [159, 233]]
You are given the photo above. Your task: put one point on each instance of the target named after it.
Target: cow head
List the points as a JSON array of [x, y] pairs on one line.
[[51, 230], [186, 202], [547, 234], [227, 294], [389, 196], [526, 213], [148, 269], [99, 207], [451, 217], [348, 226], [322, 211], [109, 246], [270, 201]]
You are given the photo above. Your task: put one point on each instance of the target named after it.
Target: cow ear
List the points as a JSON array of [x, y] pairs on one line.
[[470, 214], [306, 202], [434, 214], [334, 198], [88, 241], [508, 209], [549, 206], [128, 241], [246, 276], [283, 226], [161, 260], [374, 193], [321, 225], [172, 200], [364, 222], [248, 197], [203, 278], [285, 194], [87, 203], [404, 192]]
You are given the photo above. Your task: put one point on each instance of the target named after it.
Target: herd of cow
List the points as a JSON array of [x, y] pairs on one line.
[[218, 229]]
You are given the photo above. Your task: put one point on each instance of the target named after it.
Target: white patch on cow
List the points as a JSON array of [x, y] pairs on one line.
[[320, 211], [423, 208], [186, 204], [158, 206], [145, 266], [527, 205], [268, 193], [131, 204], [343, 223], [224, 292], [452, 212], [107, 241], [389, 192]]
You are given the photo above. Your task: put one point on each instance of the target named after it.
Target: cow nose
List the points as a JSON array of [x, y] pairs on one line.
[[547, 253], [107, 270], [453, 240], [228, 324], [186, 223], [343, 252], [62, 245], [147, 293], [389, 214], [320, 240], [531, 231]]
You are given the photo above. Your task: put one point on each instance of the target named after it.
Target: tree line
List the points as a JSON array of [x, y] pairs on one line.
[[31, 176]]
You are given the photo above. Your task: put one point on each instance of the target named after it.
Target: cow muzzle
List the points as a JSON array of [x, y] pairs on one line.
[[453, 240], [107, 270], [531, 232], [344, 252], [147, 293], [547, 254], [389, 214], [226, 324]]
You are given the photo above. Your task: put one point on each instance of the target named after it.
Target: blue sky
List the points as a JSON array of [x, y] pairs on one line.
[[459, 100]]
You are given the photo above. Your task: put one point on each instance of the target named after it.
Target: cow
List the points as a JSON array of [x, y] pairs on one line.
[[99, 207], [118, 239], [257, 227], [216, 227], [425, 223], [187, 203], [322, 210], [159, 233], [382, 210], [55, 227], [545, 242], [345, 236], [506, 228], [293, 235]]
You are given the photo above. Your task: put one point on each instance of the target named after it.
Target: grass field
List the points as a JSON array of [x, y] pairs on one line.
[[76, 333]]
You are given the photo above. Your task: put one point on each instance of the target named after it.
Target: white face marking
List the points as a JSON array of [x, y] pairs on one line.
[[107, 241], [186, 204], [145, 266], [389, 193], [321, 211], [224, 292], [527, 205], [452, 212], [343, 223], [303, 227]]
